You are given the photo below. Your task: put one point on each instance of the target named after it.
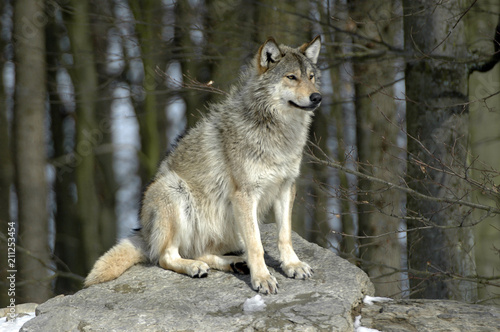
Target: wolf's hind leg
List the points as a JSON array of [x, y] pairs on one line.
[[234, 264], [171, 260]]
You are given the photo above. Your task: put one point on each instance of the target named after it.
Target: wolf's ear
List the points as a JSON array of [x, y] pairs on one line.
[[311, 50], [269, 53]]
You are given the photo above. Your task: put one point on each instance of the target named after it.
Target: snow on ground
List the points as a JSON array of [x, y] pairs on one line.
[[254, 304], [15, 325], [368, 300]]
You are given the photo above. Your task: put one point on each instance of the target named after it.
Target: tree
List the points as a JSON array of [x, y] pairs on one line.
[[146, 13], [68, 250], [440, 240], [30, 151], [6, 168], [379, 117], [88, 135]]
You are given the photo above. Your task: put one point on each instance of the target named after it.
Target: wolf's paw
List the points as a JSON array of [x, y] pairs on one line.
[[265, 285], [198, 269], [240, 267], [297, 270]]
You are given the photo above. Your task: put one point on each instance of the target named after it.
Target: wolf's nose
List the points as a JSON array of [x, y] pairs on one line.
[[315, 98]]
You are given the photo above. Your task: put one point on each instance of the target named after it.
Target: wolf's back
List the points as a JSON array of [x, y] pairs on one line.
[[117, 260]]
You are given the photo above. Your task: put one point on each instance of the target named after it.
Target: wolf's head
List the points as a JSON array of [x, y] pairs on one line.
[[291, 74]]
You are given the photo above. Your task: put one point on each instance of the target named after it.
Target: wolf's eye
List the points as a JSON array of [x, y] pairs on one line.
[[311, 76], [291, 77]]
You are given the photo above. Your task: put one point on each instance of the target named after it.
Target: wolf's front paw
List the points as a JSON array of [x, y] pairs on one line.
[[265, 285], [299, 270], [198, 269]]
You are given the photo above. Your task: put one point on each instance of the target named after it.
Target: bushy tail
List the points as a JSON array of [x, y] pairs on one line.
[[117, 260]]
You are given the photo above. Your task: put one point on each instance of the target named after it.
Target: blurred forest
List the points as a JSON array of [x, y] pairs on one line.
[[401, 175]]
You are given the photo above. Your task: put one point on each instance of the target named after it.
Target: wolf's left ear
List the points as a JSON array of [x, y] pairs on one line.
[[311, 50], [269, 53]]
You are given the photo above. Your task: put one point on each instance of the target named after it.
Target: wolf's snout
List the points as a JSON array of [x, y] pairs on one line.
[[315, 98]]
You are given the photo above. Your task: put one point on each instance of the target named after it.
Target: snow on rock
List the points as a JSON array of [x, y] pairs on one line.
[[369, 300], [253, 304]]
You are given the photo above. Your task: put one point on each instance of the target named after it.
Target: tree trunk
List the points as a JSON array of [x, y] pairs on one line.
[[377, 132], [437, 120], [68, 246], [106, 185], [30, 152], [482, 22], [188, 54], [88, 135], [6, 172], [147, 110]]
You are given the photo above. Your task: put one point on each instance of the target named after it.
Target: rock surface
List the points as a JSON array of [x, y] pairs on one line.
[[148, 298], [430, 316]]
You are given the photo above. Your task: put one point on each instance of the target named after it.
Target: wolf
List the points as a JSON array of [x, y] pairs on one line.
[[237, 163]]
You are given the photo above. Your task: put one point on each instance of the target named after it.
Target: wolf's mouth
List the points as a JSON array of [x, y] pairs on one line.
[[309, 107]]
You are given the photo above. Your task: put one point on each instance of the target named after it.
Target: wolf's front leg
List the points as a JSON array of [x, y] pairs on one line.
[[245, 212], [290, 263]]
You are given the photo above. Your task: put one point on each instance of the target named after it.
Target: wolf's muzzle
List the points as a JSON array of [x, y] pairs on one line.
[[315, 98]]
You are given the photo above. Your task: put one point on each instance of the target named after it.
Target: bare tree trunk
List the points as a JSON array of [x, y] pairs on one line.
[[437, 120], [377, 130], [147, 111], [483, 21], [88, 135], [106, 185], [30, 151], [186, 51], [6, 173], [68, 246]]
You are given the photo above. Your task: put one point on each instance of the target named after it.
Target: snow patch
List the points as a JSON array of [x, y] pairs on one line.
[[369, 300], [254, 304], [16, 324]]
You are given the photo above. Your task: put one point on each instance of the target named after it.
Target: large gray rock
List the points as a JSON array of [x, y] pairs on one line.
[[148, 298], [431, 316]]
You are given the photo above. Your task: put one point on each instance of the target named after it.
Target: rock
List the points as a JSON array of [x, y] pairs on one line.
[[148, 298], [430, 316]]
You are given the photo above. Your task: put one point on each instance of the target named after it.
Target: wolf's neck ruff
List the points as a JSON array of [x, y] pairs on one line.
[[226, 173]]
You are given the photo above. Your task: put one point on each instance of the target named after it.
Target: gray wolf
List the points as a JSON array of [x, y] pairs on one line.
[[237, 163]]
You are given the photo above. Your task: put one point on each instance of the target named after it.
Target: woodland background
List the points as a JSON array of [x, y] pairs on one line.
[[401, 175]]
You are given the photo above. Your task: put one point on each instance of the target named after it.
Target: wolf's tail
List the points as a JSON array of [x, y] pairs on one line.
[[117, 260]]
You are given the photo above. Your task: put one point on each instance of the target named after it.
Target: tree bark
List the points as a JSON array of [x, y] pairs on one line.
[[483, 21], [106, 186], [377, 133], [88, 134], [68, 246], [6, 171], [437, 120], [147, 111], [31, 152]]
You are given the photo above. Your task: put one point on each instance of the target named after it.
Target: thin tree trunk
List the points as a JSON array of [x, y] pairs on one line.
[[437, 120], [31, 153], [377, 130], [88, 134], [147, 111], [106, 185], [68, 246], [6, 172], [187, 52]]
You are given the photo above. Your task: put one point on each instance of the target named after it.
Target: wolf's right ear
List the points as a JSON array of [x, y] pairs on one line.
[[311, 50], [269, 53]]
